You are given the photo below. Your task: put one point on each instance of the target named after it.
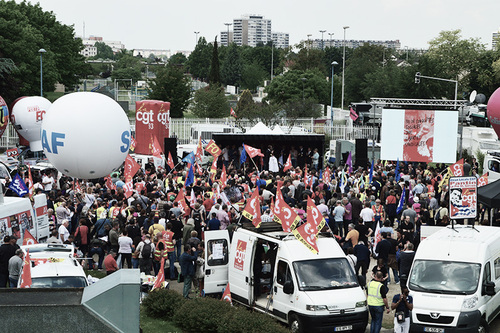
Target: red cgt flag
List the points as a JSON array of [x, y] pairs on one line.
[[314, 216], [252, 209], [160, 278], [133, 143], [131, 168], [26, 275], [457, 169], [199, 151], [156, 148], [306, 234], [170, 161], [223, 176], [28, 238], [252, 152], [483, 180], [226, 296], [288, 164]]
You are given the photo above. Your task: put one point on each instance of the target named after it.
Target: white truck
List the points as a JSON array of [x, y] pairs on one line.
[[479, 138], [18, 215], [455, 280], [310, 292]]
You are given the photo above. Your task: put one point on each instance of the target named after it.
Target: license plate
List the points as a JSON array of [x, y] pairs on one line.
[[343, 328], [433, 329]]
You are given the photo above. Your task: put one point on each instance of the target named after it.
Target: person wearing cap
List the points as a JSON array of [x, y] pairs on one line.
[[15, 266]]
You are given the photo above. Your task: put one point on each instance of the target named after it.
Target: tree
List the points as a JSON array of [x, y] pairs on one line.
[[199, 59], [26, 28], [103, 51], [171, 85], [128, 67], [214, 76], [231, 66], [252, 76], [178, 60], [245, 104], [211, 102]]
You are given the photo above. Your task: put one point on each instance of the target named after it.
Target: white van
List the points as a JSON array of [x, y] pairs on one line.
[[18, 215], [310, 292], [455, 279]]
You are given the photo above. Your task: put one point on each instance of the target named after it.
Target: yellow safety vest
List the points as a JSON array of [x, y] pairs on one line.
[[374, 296]]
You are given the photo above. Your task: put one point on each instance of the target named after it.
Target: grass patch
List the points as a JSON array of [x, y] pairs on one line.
[[96, 274], [153, 325], [52, 95]]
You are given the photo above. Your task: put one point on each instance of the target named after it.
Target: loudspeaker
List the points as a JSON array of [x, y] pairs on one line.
[[170, 145], [362, 152]]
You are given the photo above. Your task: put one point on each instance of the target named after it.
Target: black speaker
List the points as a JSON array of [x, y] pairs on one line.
[[170, 145], [362, 152]]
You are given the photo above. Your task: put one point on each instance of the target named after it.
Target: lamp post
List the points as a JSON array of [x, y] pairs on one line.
[[196, 41], [272, 59], [322, 41], [41, 51], [228, 25], [418, 76], [331, 101], [343, 68], [406, 47], [308, 41], [331, 34]]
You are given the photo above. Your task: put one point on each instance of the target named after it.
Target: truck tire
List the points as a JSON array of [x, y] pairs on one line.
[[296, 324], [483, 326]]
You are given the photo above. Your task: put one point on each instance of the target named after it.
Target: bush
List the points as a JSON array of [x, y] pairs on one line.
[[162, 303], [244, 321], [202, 315]]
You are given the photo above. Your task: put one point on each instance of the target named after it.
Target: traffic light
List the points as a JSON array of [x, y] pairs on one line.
[[417, 77]]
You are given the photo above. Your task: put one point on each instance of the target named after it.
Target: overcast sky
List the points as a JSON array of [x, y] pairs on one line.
[[167, 24]]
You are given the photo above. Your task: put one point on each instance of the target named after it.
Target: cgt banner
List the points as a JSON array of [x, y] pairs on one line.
[[152, 119], [463, 197]]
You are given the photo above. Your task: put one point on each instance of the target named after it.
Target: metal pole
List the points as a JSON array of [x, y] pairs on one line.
[[196, 41], [331, 100], [272, 59], [343, 69], [41, 51], [331, 34], [322, 41]]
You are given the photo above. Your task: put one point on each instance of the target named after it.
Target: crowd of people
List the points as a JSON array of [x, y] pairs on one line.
[[140, 230]]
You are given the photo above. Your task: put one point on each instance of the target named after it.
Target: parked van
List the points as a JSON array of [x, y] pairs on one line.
[[18, 215], [454, 280], [310, 292]]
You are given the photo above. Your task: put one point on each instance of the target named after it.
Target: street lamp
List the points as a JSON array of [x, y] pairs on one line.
[[228, 25], [331, 34], [303, 81], [41, 51], [331, 100], [322, 42], [196, 41], [406, 47], [418, 76], [308, 40], [343, 68]]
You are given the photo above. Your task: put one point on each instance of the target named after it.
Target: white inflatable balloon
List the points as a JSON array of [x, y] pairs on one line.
[[27, 115], [86, 135]]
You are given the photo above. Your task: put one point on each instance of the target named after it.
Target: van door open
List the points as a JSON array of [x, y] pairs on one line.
[[216, 261]]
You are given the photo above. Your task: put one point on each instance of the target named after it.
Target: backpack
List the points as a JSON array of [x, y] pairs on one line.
[[146, 251], [437, 218]]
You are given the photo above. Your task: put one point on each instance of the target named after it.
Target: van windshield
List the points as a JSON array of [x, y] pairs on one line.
[[321, 274], [444, 277], [59, 282]]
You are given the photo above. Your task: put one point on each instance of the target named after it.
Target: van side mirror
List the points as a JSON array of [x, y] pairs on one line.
[[288, 287], [489, 288]]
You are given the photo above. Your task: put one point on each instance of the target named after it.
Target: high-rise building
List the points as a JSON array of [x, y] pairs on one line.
[[281, 40], [495, 39]]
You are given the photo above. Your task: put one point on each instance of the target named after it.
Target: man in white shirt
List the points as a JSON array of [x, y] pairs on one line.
[[367, 215], [48, 182], [63, 231]]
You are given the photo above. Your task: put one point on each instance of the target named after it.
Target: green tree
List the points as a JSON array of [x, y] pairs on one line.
[[103, 51], [231, 66], [211, 102], [252, 76], [178, 60], [199, 60], [171, 85], [128, 67], [214, 76], [245, 104], [26, 28]]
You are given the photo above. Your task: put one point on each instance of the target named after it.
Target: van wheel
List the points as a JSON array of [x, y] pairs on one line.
[[483, 326], [295, 324]]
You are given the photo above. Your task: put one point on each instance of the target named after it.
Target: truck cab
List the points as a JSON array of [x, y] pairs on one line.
[[272, 272]]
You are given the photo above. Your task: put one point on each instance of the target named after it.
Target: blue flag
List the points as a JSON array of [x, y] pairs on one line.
[[190, 177], [401, 202], [321, 174], [189, 158], [18, 185], [397, 171], [371, 173], [243, 157]]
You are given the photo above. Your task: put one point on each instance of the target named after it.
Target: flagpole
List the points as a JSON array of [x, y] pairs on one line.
[[175, 166]]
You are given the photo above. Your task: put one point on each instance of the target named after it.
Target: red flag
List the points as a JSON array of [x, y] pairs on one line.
[[133, 143], [199, 151], [108, 182], [128, 188], [181, 200], [327, 176], [131, 168], [232, 113], [284, 215], [78, 188], [30, 184], [288, 164], [170, 161], [213, 169], [26, 275], [306, 234], [160, 278], [223, 176], [226, 296], [28, 238], [483, 180], [156, 148], [314, 216], [252, 209], [252, 152], [457, 169], [306, 183], [213, 149], [198, 168], [353, 114], [192, 198]]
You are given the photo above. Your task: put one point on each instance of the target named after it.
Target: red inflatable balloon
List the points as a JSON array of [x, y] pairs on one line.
[[4, 116], [493, 111]]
